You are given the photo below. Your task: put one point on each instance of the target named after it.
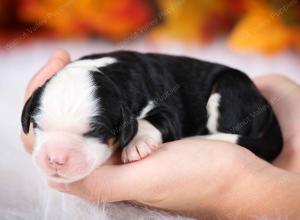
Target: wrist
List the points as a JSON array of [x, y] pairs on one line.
[[262, 190]]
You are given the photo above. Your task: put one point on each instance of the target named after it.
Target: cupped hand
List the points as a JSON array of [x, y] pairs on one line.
[[187, 176]]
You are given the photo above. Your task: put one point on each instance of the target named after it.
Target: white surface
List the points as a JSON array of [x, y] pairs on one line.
[[23, 194]]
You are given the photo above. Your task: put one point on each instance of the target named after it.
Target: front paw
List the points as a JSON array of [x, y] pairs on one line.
[[138, 148]]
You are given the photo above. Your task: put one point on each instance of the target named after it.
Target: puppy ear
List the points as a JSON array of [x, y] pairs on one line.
[[29, 109], [127, 128]]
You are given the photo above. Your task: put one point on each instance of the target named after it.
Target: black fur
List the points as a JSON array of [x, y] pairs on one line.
[[180, 88], [31, 108]]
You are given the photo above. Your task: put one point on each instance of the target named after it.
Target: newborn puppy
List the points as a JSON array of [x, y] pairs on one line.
[[137, 101]]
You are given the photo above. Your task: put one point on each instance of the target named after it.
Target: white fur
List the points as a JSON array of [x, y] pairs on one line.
[[212, 108], [146, 140], [68, 102], [144, 143], [146, 129], [95, 152], [232, 138], [146, 109], [67, 105], [94, 63]]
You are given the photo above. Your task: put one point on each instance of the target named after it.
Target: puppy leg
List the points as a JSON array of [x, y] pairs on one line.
[[145, 142]]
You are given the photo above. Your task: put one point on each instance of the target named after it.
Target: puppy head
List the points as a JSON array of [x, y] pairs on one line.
[[78, 122]]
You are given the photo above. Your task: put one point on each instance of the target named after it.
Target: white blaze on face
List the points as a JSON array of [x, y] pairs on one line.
[[67, 106]]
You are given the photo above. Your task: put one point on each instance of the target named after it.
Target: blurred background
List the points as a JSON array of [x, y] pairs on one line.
[[263, 26], [255, 36]]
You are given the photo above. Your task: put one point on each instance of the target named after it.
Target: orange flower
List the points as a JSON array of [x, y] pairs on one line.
[[115, 20], [261, 30]]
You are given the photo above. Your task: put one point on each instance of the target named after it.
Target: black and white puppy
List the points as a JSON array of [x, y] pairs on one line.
[[136, 102]]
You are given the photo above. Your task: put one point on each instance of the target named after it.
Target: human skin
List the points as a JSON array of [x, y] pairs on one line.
[[201, 178]]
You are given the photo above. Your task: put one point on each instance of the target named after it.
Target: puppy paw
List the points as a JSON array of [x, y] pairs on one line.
[[138, 148]]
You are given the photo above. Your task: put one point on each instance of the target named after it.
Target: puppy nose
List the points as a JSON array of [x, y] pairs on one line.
[[57, 159]]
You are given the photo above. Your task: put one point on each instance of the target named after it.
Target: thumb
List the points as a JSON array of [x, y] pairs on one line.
[[57, 61], [108, 183]]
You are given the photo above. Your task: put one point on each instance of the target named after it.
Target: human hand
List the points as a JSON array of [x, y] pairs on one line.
[[56, 62], [191, 177], [284, 97], [203, 170]]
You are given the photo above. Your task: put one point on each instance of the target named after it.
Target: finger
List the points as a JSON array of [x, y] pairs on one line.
[[109, 183], [269, 85], [57, 61], [282, 94]]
